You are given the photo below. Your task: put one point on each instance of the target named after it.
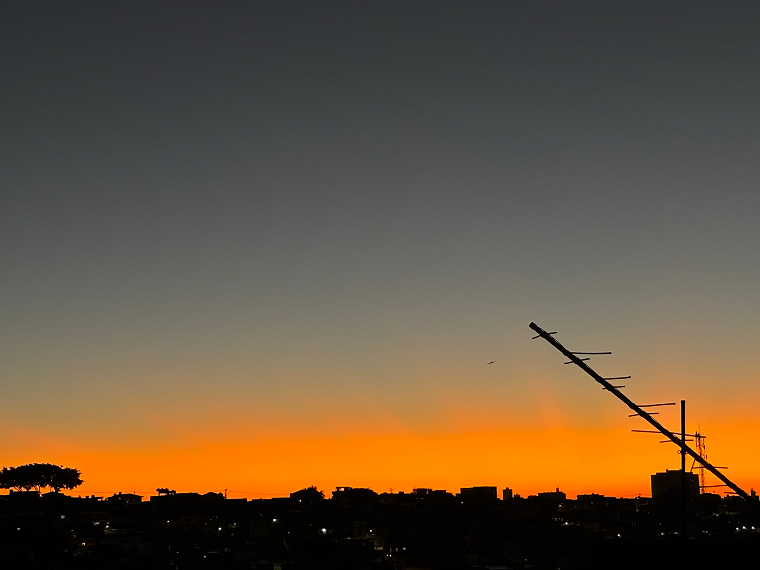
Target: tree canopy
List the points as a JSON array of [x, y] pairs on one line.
[[38, 476], [309, 495]]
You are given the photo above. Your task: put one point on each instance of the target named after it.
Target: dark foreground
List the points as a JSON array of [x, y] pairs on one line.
[[358, 529]]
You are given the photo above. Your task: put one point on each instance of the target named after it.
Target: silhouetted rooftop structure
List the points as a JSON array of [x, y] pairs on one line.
[[125, 498], [478, 494], [555, 495], [359, 530], [668, 484]]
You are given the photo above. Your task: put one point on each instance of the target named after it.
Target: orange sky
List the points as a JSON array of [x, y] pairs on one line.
[[611, 461], [527, 422], [540, 426]]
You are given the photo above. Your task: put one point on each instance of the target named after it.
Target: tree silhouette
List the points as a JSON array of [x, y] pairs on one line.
[[38, 476], [308, 495]]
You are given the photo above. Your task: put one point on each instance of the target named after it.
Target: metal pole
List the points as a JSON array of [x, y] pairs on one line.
[[653, 422], [683, 468]]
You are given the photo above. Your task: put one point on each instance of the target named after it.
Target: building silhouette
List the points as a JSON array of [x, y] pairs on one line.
[[478, 494], [668, 485], [359, 529]]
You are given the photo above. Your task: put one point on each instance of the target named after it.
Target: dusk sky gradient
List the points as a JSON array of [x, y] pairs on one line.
[[265, 245]]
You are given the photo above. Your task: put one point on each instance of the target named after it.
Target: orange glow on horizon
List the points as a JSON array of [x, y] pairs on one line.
[[610, 461]]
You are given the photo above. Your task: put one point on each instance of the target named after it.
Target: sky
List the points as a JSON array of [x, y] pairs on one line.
[[258, 246]]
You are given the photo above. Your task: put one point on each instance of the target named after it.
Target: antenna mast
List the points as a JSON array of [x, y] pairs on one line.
[[685, 449], [702, 450]]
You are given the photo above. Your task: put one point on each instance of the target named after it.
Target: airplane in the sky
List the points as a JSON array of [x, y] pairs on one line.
[[491, 362]]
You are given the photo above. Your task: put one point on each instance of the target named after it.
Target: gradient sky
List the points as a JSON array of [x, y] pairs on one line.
[[265, 245]]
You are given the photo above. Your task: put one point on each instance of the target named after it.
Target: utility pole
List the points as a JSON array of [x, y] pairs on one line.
[[614, 390], [682, 451]]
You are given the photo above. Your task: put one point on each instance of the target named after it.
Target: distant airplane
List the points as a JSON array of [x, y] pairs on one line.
[[491, 362]]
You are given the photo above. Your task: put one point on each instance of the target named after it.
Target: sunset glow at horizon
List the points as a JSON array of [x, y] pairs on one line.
[[473, 445]]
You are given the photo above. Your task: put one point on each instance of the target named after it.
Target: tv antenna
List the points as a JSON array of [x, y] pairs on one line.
[[702, 450], [615, 390]]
